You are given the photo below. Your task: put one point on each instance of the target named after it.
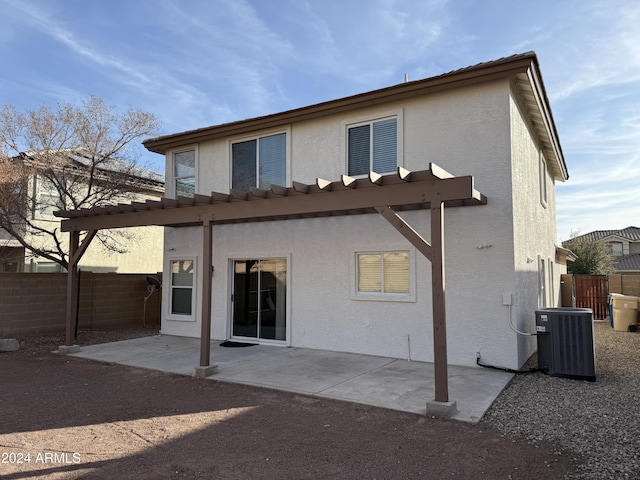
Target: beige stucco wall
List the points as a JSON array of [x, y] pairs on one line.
[[143, 247], [144, 253], [534, 226], [467, 132]]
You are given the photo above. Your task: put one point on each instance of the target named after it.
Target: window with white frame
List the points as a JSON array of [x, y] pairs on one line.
[[543, 180], [259, 162], [616, 249], [49, 199], [372, 146], [383, 273], [184, 171], [182, 272]]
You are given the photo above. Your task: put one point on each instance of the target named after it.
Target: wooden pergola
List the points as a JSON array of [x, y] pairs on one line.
[[432, 189]]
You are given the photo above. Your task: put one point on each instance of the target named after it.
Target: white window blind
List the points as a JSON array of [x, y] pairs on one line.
[[260, 162], [383, 272], [369, 269], [385, 146], [373, 146], [272, 161], [396, 272]]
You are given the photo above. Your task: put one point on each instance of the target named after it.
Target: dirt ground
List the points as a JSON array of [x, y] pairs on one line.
[[69, 418]]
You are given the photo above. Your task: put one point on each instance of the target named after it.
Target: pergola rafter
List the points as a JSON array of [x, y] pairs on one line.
[[433, 189]]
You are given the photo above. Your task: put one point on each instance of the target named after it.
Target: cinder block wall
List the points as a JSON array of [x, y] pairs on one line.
[[625, 284], [35, 303]]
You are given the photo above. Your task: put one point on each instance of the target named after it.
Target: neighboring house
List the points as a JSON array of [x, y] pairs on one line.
[[352, 283], [624, 246], [143, 246]]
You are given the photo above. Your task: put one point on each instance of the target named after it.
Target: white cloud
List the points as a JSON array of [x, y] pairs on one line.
[[603, 51], [40, 20], [365, 47]]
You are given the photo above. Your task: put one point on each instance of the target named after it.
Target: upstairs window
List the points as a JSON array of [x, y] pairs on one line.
[[616, 249], [260, 162], [372, 147], [48, 199], [185, 173]]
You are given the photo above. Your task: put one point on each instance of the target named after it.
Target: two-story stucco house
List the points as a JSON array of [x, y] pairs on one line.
[[138, 250], [352, 283], [623, 244], [322, 227]]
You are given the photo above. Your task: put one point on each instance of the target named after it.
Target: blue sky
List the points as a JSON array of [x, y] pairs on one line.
[[196, 63]]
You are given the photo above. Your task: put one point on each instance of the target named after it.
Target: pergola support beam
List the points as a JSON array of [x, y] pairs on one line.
[[434, 252], [406, 230]]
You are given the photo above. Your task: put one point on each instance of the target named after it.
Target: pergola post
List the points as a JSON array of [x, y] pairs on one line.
[[205, 369], [76, 250], [434, 252], [72, 288], [438, 302]]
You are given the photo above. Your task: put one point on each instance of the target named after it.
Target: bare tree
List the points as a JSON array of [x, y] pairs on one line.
[[67, 158]]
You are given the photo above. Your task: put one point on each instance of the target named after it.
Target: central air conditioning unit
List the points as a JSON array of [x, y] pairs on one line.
[[566, 346]]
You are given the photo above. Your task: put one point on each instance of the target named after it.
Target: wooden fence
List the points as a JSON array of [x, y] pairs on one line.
[[592, 291]]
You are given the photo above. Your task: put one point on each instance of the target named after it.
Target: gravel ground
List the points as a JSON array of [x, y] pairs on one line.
[[597, 422]]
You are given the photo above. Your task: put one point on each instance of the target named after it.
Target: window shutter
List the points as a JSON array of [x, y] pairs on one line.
[[359, 140], [273, 161], [396, 272], [369, 273], [385, 146], [243, 165]]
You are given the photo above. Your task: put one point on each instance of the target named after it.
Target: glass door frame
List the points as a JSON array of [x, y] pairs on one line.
[[231, 310]]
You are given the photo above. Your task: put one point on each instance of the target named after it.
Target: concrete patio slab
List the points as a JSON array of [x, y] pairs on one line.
[[379, 381]]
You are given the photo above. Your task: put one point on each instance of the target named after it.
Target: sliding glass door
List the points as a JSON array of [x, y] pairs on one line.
[[259, 299]]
